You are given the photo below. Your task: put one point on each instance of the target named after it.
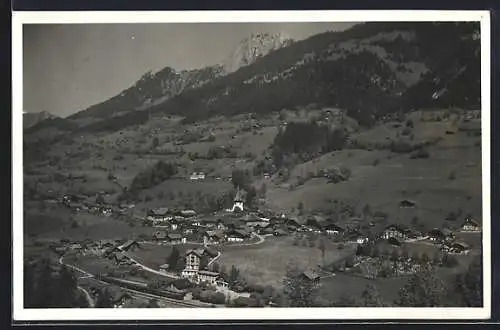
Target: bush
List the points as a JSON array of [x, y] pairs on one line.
[[217, 298], [452, 175], [376, 162]]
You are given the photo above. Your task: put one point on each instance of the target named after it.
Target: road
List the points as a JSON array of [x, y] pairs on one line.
[[168, 301]]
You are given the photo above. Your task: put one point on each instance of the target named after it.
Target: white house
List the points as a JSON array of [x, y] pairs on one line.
[[238, 201], [471, 225]]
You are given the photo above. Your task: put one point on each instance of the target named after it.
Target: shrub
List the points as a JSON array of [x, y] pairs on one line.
[[452, 175], [376, 162]]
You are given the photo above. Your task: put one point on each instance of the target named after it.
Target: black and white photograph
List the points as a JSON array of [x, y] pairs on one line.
[[251, 166]]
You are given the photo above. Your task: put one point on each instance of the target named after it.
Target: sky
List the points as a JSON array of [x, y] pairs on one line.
[[69, 67]]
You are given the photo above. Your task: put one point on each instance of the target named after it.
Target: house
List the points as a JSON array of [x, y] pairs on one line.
[[357, 237], [130, 245], [206, 276], [439, 235], [333, 229], [269, 230], [470, 225], [393, 240], [238, 202], [175, 238], [311, 275], [394, 231], [164, 267], [213, 237], [159, 214], [237, 235], [195, 176], [222, 282], [193, 261], [188, 213]]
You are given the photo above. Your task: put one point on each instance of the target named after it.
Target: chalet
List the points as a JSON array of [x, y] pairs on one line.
[[206, 276], [188, 213], [407, 203], [130, 245], [213, 237], [238, 202], [470, 225], [439, 235], [237, 235], [222, 282], [280, 232], [357, 237], [159, 214], [193, 261], [175, 238], [195, 176], [210, 222], [394, 231], [333, 229], [252, 221], [311, 275], [76, 246]]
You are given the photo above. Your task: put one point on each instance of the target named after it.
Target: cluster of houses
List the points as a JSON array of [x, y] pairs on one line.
[[101, 205]]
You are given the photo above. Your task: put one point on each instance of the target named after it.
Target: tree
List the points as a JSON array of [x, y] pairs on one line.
[[173, 258], [104, 299], [469, 286], [424, 289], [346, 301], [299, 291], [371, 297], [99, 199]]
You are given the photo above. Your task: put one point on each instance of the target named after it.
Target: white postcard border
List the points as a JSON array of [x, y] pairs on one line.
[[22, 314]]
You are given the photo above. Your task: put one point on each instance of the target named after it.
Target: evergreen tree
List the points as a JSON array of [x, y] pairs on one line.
[[173, 258]]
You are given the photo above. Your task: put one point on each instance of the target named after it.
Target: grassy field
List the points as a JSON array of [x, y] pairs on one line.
[[266, 263], [428, 182]]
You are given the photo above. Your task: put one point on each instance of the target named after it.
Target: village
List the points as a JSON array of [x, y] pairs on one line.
[[203, 238]]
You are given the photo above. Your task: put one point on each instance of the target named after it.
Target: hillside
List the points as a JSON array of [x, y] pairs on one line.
[[156, 88], [370, 70]]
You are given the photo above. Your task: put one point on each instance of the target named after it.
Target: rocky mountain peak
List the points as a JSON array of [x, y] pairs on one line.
[[253, 47]]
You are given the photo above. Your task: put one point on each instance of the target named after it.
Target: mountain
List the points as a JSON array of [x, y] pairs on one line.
[[371, 70], [30, 119], [155, 88], [255, 46]]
